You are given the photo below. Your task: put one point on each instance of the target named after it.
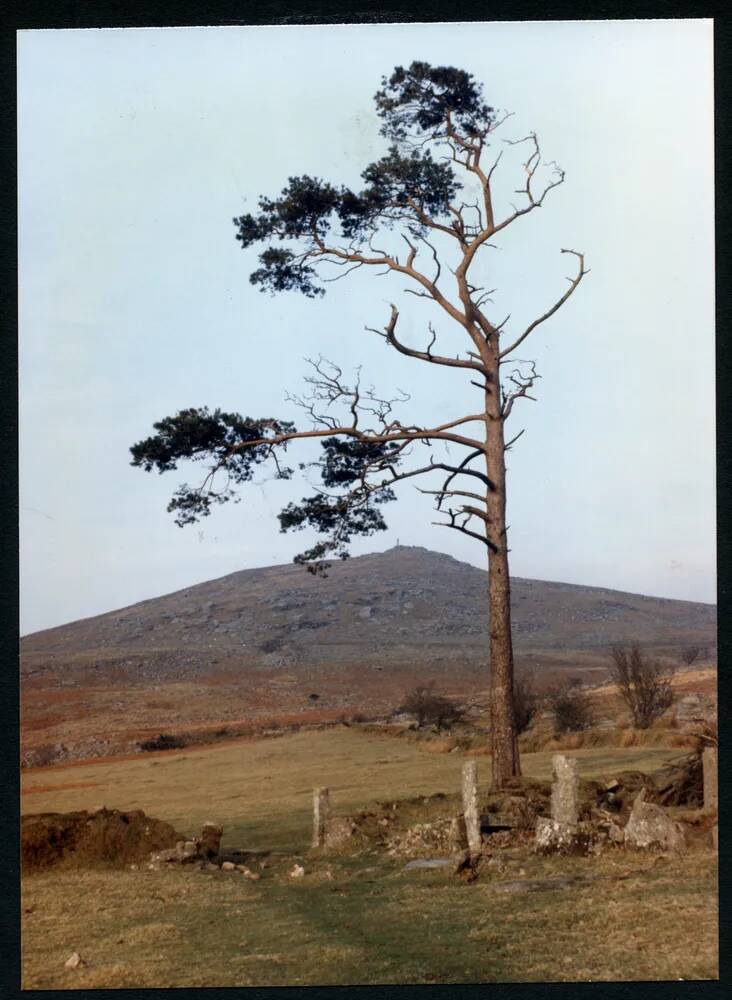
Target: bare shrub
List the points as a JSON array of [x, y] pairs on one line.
[[644, 683], [690, 654], [429, 708], [571, 707], [525, 703], [705, 733], [165, 741]]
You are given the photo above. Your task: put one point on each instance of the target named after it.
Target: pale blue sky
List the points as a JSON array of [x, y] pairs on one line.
[[138, 146]]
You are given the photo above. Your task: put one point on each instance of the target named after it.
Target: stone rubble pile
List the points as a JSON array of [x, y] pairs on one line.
[[203, 849]]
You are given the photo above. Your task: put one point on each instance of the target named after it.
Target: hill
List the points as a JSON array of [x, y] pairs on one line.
[[407, 607]]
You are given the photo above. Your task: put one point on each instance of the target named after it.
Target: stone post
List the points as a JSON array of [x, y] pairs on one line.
[[709, 764], [565, 790], [561, 833], [470, 807], [321, 813]]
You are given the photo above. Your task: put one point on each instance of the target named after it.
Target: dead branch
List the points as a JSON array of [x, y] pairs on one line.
[[573, 283]]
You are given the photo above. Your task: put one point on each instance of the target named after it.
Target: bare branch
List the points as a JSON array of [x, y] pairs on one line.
[[573, 283], [390, 337], [523, 383], [452, 523], [513, 440]]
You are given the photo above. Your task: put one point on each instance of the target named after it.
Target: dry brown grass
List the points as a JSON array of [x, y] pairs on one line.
[[371, 923], [368, 923], [261, 789], [437, 745]]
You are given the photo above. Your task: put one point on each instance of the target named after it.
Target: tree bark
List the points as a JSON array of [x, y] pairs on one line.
[[504, 744]]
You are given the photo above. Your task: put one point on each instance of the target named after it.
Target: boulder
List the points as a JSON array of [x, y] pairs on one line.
[[209, 843], [339, 831], [650, 826]]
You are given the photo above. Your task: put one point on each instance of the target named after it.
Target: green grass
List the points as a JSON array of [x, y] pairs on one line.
[[261, 790]]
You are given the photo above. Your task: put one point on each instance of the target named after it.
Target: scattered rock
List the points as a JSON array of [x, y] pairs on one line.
[[442, 834], [74, 961], [203, 848], [297, 872], [247, 873]]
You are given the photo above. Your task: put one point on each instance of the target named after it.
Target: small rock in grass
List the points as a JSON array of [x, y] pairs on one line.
[[297, 872], [228, 866], [74, 961], [247, 873], [427, 863]]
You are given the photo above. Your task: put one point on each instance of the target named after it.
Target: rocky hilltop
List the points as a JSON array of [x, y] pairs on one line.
[[406, 607]]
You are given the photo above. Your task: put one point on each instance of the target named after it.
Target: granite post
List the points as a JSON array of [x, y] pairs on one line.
[[470, 807]]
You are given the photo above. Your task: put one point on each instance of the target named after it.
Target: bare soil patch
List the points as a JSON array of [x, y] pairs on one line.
[[80, 839]]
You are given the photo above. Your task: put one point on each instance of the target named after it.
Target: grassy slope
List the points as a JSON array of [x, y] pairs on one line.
[[365, 922]]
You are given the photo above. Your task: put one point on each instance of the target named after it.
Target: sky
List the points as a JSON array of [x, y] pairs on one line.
[[136, 149]]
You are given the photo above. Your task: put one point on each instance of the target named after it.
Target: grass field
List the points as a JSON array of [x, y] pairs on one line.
[[348, 920], [261, 790]]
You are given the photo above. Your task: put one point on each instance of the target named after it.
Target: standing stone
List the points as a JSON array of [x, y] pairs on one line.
[[709, 763], [565, 790], [470, 806], [561, 833], [321, 811]]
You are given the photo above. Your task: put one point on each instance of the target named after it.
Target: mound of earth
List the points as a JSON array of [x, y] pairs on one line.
[[77, 839]]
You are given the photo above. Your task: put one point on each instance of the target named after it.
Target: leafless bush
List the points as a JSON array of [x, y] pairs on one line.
[[571, 706], [690, 654], [644, 683], [525, 703], [429, 708], [705, 733]]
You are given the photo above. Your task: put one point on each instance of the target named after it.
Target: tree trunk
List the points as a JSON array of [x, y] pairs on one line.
[[504, 742]]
